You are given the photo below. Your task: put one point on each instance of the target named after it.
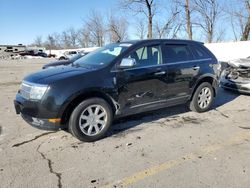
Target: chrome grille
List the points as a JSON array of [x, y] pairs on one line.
[[25, 90]]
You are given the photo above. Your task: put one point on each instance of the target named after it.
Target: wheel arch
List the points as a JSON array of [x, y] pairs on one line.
[[70, 106], [206, 78]]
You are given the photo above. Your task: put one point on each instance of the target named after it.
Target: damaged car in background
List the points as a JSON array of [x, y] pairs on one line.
[[236, 76]]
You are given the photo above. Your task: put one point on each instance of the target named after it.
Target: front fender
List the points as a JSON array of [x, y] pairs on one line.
[[78, 97]]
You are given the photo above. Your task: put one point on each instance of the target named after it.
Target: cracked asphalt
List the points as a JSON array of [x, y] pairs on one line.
[[170, 147]]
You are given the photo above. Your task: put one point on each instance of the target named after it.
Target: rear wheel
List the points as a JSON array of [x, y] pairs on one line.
[[203, 98], [91, 119]]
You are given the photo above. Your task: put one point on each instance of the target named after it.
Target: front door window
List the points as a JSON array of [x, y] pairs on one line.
[[147, 56]]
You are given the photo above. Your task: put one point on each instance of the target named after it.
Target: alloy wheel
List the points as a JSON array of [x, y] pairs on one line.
[[92, 120], [204, 97]]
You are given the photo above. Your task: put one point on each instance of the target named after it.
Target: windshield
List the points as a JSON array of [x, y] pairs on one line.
[[102, 56]]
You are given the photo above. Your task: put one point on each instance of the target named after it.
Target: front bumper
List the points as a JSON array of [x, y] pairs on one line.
[[43, 124], [40, 123], [235, 86]]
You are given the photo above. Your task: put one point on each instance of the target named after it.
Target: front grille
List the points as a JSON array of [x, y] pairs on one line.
[[25, 90]]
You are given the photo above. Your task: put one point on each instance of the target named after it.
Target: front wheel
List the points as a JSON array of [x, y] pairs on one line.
[[203, 98], [91, 119]]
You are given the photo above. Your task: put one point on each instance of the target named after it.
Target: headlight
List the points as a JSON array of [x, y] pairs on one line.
[[223, 73], [37, 91], [32, 91]]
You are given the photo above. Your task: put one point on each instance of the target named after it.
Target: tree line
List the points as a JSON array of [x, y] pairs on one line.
[[205, 20]]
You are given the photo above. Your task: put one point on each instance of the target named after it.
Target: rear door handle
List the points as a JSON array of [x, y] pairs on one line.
[[196, 68], [160, 73]]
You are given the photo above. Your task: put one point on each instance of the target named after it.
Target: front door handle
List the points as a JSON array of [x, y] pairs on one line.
[[160, 73], [196, 68]]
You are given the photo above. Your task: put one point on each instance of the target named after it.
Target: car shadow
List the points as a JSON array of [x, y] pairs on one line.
[[223, 97], [126, 123]]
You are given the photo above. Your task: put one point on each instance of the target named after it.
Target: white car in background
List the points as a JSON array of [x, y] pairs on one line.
[[68, 54]]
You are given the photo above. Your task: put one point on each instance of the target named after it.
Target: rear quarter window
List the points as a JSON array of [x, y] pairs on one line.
[[200, 52], [177, 52]]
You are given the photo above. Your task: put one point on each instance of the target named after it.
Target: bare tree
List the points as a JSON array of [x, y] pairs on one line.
[[175, 30], [188, 19], [246, 30], [142, 6], [117, 29], [73, 34], [84, 37], [38, 41], [220, 35], [186, 9], [169, 25], [57, 38], [95, 26], [208, 11], [140, 29], [69, 38], [50, 42], [234, 28], [238, 14], [65, 40]]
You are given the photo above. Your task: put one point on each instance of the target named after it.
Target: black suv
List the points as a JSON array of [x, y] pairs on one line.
[[117, 80]]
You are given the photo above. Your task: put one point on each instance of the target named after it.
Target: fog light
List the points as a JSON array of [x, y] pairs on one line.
[[54, 120]]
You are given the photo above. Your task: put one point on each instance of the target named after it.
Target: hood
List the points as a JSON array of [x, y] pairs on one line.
[[47, 76], [240, 63], [57, 63]]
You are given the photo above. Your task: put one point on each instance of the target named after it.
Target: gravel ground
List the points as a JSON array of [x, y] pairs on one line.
[[170, 147]]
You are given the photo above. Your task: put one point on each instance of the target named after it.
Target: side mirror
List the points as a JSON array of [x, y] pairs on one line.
[[127, 63]]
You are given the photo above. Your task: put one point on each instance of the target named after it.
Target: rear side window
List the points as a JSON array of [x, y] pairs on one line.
[[177, 52], [200, 52]]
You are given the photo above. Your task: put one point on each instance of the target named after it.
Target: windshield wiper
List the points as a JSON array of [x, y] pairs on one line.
[[82, 66]]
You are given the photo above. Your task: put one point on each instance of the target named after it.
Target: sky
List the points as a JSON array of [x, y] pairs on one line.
[[22, 20]]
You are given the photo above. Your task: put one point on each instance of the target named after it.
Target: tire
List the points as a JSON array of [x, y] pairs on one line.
[[195, 104], [81, 117], [62, 58]]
